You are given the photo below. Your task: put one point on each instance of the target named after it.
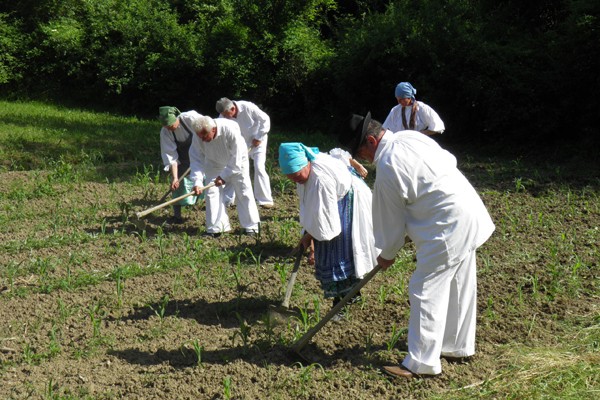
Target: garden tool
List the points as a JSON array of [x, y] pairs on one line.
[[141, 224], [187, 171], [303, 341], [284, 308], [290, 285]]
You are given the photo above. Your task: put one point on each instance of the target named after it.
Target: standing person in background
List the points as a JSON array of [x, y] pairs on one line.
[[420, 193], [411, 114], [219, 154], [254, 125], [175, 141], [335, 214]]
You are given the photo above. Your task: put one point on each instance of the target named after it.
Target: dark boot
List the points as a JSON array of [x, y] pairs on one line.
[[357, 298], [176, 219]]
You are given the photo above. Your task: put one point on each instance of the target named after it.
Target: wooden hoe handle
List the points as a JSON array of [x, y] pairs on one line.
[[168, 203]]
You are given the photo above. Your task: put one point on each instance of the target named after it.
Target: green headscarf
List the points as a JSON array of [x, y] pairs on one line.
[[167, 115]]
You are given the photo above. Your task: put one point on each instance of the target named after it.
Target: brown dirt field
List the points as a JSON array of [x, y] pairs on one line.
[[48, 346]]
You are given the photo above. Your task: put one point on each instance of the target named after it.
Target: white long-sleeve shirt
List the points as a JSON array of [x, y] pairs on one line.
[[227, 151], [168, 146], [328, 182], [419, 192], [254, 122], [426, 118]]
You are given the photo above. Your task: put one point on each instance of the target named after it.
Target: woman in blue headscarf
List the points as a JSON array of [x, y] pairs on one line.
[[335, 214], [411, 114]]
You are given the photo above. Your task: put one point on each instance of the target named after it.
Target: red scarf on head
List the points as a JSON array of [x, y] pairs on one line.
[[413, 116]]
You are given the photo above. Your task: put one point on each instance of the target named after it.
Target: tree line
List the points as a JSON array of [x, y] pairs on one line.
[[508, 72]]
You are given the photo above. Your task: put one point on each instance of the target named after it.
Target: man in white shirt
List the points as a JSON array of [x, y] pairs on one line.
[[254, 125], [421, 194], [411, 114], [175, 140], [219, 154]]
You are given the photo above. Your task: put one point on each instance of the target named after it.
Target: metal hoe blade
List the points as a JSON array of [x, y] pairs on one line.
[[283, 311]]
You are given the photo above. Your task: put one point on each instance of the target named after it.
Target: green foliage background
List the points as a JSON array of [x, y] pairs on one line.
[[512, 73]]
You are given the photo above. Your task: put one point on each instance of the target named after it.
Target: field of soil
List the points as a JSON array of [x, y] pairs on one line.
[[92, 307]]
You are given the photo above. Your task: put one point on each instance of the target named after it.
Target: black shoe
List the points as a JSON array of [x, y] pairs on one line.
[[250, 233], [175, 221], [339, 317], [212, 234], [357, 298]]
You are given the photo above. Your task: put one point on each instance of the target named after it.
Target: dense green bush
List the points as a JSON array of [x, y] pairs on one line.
[[506, 72], [12, 45], [503, 71]]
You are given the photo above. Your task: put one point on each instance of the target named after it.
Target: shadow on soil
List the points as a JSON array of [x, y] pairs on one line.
[[259, 352]]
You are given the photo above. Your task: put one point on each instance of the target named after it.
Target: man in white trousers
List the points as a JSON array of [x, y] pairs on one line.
[[255, 125], [420, 193], [219, 154]]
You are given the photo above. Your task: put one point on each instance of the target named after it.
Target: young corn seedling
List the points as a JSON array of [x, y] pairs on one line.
[[120, 286], [396, 334], [489, 311], [304, 319], [198, 270], [281, 270], [198, 349], [54, 345], [243, 333], [96, 314], [29, 355], [161, 309], [227, 388], [382, 294]]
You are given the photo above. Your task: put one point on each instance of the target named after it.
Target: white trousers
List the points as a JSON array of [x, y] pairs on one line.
[[443, 308], [217, 219], [262, 182]]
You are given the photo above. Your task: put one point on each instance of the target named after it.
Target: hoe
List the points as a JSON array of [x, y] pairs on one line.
[[303, 341], [141, 224]]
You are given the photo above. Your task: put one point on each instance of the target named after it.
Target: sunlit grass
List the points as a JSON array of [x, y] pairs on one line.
[[569, 371]]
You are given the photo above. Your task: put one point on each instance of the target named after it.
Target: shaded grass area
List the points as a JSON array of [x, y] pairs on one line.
[[39, 136], [145, 312]]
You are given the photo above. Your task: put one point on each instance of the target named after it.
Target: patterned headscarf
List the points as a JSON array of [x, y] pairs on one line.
[[295, 156]]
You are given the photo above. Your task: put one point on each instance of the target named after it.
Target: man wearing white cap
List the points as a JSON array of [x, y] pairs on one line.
[[219, 154]]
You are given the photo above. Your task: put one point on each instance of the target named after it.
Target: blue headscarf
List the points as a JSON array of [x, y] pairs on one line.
[[404, 90], [295, 156]]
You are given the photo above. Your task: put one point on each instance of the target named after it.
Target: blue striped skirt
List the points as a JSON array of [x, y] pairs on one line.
[[334, 260]]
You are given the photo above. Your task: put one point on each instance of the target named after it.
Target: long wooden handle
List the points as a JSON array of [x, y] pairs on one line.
[[303, 341], [187, 171], [168, 203], [290, 284]]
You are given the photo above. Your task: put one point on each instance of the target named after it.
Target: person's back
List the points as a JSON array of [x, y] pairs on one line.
[[444, 214]]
